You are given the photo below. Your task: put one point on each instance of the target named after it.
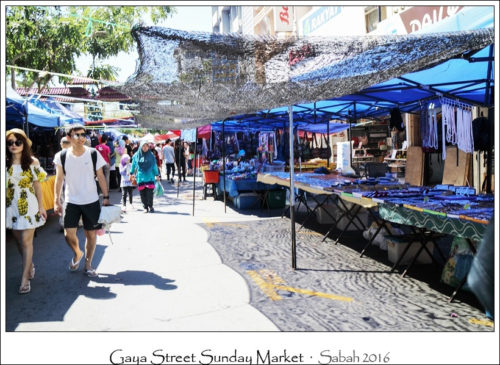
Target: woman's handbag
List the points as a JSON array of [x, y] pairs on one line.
[[321, 152], [133, 180], [306, 150]]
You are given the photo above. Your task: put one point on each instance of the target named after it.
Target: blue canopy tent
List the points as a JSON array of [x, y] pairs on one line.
[[19, 111], [334, 77], [54, 107]]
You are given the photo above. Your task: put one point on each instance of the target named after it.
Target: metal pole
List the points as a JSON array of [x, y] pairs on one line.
[[328, 142], [179, 167], [292, 183], [224, 165], [350, 136], [489, 161], [300, 158], [194, 166], [26, 119]]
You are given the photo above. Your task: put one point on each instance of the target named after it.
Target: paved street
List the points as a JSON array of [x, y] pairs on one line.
[[221, 271], [158, 267]]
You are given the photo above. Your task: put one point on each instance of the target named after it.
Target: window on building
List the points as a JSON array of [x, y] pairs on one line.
[[373, 16]]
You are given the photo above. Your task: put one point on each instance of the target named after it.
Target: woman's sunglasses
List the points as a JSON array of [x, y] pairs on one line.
[[78, 135], [17, 143]]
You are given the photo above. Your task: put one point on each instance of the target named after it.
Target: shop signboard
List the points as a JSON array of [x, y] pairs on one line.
[[283, 19], [419, 17], [416, 19], [319, 17]]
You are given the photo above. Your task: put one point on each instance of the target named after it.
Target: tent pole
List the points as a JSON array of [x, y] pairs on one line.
[[492, 127], [194, 166], [179, 168], [292, 183], [224, 165], [300, 158], [350, 135], [25, 111], [328, 142], [489, 161]]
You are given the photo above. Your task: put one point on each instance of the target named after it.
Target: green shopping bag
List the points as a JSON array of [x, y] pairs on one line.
[[158, 191]]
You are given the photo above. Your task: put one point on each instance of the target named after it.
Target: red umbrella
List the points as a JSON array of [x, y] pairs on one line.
[[169, 135]]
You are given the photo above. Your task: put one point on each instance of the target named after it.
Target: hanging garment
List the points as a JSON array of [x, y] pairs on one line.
[[430, 137], [465, 140], [448, 126]]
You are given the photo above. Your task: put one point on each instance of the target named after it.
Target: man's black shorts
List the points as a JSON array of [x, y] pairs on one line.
[[89, 213]]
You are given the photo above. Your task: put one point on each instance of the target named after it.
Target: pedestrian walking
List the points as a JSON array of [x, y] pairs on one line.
[[189, 156], [145, 171], [120, 150], [78, 166], [112, 162], [24, 208], [180, 159], [65, 143], [158, 160], [105, 152], [128, 145], [169, 158], [125, 184]]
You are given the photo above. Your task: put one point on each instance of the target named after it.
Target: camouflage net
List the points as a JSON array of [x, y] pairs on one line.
[[189, 79]]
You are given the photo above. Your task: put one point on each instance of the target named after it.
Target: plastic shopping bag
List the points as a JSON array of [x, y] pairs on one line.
[[158, 191], [109, 214]]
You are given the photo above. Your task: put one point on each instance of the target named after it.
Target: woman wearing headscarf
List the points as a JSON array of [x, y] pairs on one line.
[[24, 208], [145, 171]]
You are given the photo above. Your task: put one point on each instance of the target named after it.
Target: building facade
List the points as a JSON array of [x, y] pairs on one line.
[[303, 21]]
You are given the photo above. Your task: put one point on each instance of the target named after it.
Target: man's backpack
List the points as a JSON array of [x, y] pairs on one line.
[[93, 153]]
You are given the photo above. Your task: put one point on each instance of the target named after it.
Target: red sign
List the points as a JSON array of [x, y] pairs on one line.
[[419, 17], [283, 19], [284, 15]]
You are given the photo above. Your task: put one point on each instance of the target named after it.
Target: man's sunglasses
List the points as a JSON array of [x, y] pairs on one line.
[[77, 135], [17, 143]]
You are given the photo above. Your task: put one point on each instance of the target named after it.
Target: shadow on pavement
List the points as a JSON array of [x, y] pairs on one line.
[[136, 277]]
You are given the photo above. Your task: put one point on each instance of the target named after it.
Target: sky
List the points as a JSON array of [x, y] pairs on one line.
[[189, 18]]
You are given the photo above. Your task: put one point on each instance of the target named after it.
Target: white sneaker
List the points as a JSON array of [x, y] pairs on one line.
[[124, 208], [132, 207]]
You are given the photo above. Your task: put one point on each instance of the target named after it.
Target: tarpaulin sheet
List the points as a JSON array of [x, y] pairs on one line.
[[187, 79]]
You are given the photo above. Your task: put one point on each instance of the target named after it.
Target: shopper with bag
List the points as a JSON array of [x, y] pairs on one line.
[[78, 167], [145, 171]]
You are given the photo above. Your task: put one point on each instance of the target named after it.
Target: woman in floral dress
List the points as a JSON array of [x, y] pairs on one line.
[[25, 210]]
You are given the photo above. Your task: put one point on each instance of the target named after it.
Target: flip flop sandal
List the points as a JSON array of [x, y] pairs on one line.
[[74, 266], [91, 273], [25, 289]]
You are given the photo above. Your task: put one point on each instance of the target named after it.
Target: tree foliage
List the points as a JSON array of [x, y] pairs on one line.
[[103, 72], [36, 39], [51, 37]]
